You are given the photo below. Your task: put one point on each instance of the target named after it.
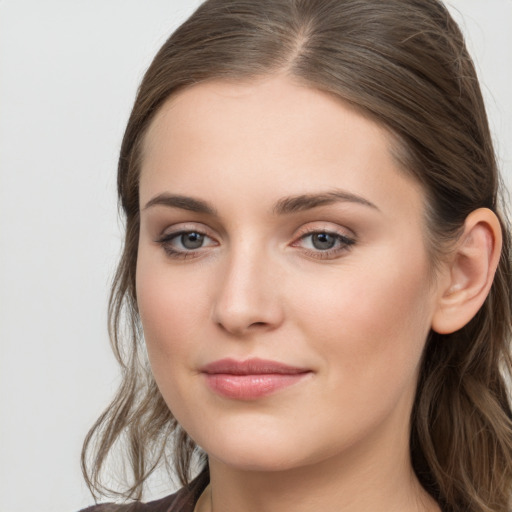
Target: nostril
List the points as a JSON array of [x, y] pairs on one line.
[[257, 324]]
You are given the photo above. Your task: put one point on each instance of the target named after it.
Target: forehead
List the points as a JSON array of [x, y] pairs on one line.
[[266, 138], [263, 105]]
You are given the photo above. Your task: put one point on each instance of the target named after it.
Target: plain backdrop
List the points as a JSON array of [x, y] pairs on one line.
[[69, 70]]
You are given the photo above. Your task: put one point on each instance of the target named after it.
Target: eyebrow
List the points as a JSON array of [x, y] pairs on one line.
[[182, 202], [284, 206], [308, 201]]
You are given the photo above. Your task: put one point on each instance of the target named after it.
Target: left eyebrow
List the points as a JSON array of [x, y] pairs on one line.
[[304, 202]]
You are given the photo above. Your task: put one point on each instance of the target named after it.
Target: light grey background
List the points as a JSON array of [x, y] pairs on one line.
[[68, 75]]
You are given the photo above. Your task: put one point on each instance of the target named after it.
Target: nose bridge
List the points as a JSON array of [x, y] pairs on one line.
[[247, 296]]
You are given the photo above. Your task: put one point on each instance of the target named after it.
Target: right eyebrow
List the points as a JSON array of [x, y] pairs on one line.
[[182, 202]]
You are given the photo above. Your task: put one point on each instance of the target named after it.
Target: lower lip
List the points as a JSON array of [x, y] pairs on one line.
[[251, 387]]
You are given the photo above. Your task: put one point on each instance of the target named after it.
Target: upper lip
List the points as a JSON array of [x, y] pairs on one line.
[[253, 366]]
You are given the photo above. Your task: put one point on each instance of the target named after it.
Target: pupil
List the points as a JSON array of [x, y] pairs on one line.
[[323, 241], [192, 240]]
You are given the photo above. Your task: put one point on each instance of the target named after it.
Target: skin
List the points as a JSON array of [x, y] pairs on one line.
[[356, 317]]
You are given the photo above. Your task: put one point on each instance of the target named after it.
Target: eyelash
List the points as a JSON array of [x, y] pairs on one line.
[[166, 242], [343, 244]]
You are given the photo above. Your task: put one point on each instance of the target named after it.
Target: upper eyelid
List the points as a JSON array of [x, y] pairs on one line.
[[185, 227], [327, 227]]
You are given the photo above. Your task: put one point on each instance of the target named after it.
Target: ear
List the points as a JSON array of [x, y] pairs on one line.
[[469, 272]]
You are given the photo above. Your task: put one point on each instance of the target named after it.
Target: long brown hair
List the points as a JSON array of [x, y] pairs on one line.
[[405, 64]]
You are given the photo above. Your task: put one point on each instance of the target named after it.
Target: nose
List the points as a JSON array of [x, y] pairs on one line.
[[248, 295]]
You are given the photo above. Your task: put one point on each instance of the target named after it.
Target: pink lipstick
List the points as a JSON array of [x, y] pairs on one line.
[[250, 379]]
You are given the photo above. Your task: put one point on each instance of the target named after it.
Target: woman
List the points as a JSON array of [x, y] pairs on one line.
[[316, 260]]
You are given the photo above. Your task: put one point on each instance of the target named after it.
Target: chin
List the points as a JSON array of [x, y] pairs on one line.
[[251, 451]]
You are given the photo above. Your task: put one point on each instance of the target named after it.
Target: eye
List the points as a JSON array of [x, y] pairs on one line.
[[323, 241], [191, 240], [324, 244], [185, 244]]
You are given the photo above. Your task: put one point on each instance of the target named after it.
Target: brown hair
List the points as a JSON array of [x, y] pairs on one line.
[[404, 63]]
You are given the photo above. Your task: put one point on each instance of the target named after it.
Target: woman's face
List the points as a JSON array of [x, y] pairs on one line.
[[283, 281]]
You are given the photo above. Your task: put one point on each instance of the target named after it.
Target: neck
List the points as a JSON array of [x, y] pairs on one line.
[[365, 479]]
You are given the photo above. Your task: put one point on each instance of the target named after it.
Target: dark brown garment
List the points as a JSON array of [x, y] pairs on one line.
[[183, 501]]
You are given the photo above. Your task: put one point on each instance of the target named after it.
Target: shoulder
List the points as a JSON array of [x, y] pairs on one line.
[[182, 501], [178, 502], [167, 504]]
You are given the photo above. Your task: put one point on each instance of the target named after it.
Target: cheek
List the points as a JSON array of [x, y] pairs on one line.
[[173, 311], [171, 307], [371, 318]]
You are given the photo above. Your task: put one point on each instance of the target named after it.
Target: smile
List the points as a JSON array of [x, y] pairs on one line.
[[250, 379]]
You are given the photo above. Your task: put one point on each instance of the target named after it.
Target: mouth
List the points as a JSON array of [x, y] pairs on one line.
[[251, 379]]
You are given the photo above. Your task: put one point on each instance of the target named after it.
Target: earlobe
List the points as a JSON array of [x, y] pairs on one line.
[[470, 272]]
